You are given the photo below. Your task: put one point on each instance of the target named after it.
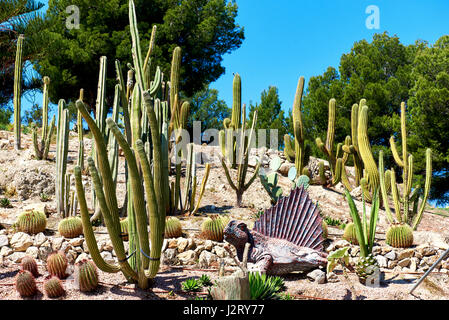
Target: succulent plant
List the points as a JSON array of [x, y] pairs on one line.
[[399, 236], [173, 228], [5, 203], [86, 275], [124, 229], [213, 227], [365, 267], [325, 231], [269, 182], [29, 264], [191, 285], [31, 222], [44, 197], [70, 227], [25, 284], [53, 287], [350, 233], [205, 280], [57, 264], [303, 180], [263, 287]]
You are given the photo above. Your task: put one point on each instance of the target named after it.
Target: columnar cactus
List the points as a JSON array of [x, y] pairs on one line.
[[407, 209], [31, 222], [173, 228], [86, 275], [29, 264], [57, 264], [53, 287], [237, 151], [70, 227], [18, 92], [213, 227], [79, 125], [25, 284], [41, 151], [62, 147]]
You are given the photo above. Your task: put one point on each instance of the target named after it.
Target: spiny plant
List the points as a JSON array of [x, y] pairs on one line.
[[407, 208], [205, 280], [53, 287], [41, 151], [269, 182], [350, 234], [57, 264], [325, 230], [44, 197], [264, 287], [70, 227], [5, 203], [173, 228], [31, 222], [191, 285], [124, 229], [213, 227], [399, 236], [25, 284], [86, 275], [29, 264], [235, 144], [18, 92]]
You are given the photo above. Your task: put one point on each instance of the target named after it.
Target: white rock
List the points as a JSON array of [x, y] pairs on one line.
[[82, 256], [57, 243], [169, 256], [107, 256], [187, 257], [404, 262], [32, 251], [17, 257], [44, 251], [76, 242], [71, 256], [219, 251], [206, 258], [318, 276], [21, 241], [391, 255], [3, 240], [6, 251], [208, 245], [382, 261], [332, 278], [39, 239], [407, 253], [337, 245], [182, 244]]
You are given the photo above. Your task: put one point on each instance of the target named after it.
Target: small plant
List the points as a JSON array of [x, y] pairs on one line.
[[31, 222], [213, 227], [173, 228], [350, 234], [284, 296], [86, 275], [57, 264], [205, 281], [5, 203], [25, 284], [29, 264], [263, 287], [53, 287], [269, 182], [191, 285], [340, 256], [44, 197], [70, 227], [400, 236], [10, 191], [325, 231]]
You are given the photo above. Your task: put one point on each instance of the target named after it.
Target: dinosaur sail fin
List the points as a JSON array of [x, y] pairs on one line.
[[294, 218]]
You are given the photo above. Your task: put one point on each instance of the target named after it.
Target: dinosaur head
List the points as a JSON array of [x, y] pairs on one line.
[[236, 233]]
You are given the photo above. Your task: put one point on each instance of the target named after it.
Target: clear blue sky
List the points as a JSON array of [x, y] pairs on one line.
[[285, 39]]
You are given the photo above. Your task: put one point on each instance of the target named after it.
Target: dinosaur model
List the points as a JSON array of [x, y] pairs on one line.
[[287, 237]]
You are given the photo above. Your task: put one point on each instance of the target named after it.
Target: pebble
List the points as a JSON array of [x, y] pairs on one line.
[[318, 276]]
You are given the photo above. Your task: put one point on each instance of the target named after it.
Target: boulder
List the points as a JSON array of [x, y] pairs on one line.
[[21, 241], [318, 276]]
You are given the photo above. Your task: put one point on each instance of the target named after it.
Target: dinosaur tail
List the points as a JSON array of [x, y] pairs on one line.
[[294, 218]]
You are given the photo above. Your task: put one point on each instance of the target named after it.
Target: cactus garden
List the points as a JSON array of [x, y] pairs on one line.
[[115, 195]]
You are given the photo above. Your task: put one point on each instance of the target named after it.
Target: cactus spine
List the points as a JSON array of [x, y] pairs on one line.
[[70, 227], [238, 150], [399, 236], [18, 93], [213, 228], [173, 228], [407, 209]]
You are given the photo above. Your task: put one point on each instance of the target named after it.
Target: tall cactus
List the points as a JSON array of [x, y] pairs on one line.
[[62, 144], [235, 129], [41, 151], [298, 127], [407, 209], [79, 126], [18, 93]]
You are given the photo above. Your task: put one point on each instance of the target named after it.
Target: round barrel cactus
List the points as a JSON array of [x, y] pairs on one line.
[[124, 229], [53, 287], [29, 264], [399, 236], [31, 222], [70, 227], [350, 234], [325, 230], [25, 284], [57, 264], [173, 228], [86, 275], [213, 227]]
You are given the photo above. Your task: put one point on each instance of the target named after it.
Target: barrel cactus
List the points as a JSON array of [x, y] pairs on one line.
[[400, 236], [29, 264], [31, 222], [173, 228], [70, 227], [57, 264], [213, 227], [25, 284], [86, 275], [350, 233], [53, 287], [325, 230]]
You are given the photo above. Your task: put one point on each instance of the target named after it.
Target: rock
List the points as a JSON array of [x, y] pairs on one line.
[[430, 238], [17, 257], [382, 261], [44, 251], [82, 256], [107, 256], [337, 245], [65, 247], [391, 255], [3, 240], [76, 242], [332, 278], [86, 248], [187, 257], [220, 252], [31, 182], [33, 252], [191, 244], [39, 206], [71, 256], [208, 245], [21, 241], [108, 246], [6, 251], [57, 243], [182, 244], [206, 258], [356, 193], [354, 251], [229, 262], [429, 261], [170, 257], [413, 264], [285, 167], [199, 249], [377, 250], [426, 251], [172, 243], [404, 262], [80, 250], [407, 253], [318, 276], [39, 239]]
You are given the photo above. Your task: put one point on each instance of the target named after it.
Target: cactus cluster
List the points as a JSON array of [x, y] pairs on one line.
[[31, 222], [235, 144], [173, 228], [86, 275], [57, 264], [407, 206], [212, 227], [349, 234], [70, 227]]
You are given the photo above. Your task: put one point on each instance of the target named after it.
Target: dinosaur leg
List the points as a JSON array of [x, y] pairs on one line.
[[264, 263]]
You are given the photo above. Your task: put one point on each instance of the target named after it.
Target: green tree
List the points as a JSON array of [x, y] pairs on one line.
[[18, 17], [204, 29], [269, 115]]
